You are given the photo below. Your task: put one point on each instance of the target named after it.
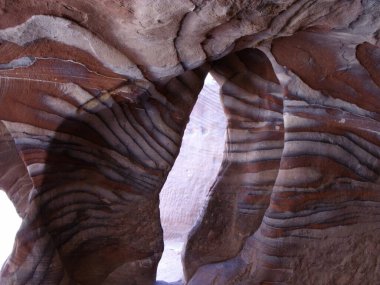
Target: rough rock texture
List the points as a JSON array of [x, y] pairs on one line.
[[94, 100]]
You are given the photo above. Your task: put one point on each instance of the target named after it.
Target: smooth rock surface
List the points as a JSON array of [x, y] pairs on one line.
[[187, 188]]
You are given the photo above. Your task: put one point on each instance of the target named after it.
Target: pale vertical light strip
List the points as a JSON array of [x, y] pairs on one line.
[[9, 224], [185, 191]]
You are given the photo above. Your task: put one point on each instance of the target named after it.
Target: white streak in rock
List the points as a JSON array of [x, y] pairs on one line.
[[64, 31]]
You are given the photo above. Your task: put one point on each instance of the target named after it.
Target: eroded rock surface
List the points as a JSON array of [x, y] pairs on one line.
[[94, 100]]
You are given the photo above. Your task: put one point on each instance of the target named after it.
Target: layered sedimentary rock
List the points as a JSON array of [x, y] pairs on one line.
[[14, 175], [97, 149], [94, 100], [252, 99]]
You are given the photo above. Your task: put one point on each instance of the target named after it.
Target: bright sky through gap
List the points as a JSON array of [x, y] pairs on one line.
[[9, 225]]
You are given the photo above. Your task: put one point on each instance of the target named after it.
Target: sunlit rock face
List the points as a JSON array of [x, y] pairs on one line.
[[95, 97], [186, 190]]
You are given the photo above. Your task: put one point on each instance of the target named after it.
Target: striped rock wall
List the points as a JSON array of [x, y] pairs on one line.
[[94, 100], [97, 149]]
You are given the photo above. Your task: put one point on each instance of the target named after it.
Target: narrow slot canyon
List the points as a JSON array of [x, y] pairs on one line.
[[186, 189]]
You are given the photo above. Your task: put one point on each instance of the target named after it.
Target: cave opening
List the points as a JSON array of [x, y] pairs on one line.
[[186, 189]]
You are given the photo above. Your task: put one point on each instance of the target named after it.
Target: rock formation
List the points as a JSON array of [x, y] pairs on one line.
[[94, 100]]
